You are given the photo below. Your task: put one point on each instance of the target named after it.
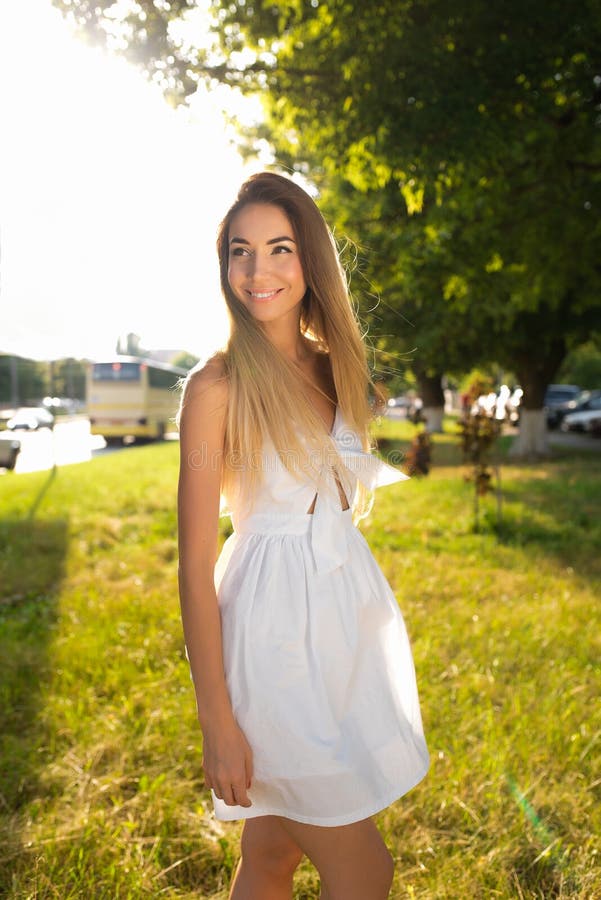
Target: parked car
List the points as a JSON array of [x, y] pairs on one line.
[[586, 417], [30, 418], [398, 401], [594, 426], [556, 398], [9, 451], [405, 406], [582, 402]]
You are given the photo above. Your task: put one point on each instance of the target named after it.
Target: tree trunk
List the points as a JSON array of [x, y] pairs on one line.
[[433, 417], [432, 396], [532, 439], [535, 373]]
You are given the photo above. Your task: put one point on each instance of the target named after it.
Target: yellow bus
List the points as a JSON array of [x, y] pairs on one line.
[[129, 397]]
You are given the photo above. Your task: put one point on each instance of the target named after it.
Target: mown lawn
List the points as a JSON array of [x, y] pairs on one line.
[[101, 790]]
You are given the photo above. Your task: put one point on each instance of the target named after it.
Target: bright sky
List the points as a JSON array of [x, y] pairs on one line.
[[109, 199]]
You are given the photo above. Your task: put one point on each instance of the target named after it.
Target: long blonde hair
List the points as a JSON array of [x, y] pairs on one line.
[[266, 393]]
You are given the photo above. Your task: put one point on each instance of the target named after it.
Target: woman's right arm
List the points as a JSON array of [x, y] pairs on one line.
[[227, 757]]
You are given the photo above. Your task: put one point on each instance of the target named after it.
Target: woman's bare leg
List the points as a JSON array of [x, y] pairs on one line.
[[270, 856], [352, 860]]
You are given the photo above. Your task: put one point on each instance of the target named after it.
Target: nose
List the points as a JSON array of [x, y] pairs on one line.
[[258, 265]]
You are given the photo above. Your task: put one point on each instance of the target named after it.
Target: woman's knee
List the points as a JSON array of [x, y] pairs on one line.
[[267, 847], [366, 875]]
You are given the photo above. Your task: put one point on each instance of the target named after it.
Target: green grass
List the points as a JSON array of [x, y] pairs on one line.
[[101, 789]]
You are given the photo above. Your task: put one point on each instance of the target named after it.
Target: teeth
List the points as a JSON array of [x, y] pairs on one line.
[[261, 295]]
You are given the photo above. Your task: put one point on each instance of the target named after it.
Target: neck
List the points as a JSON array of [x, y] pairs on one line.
[[290, 343]]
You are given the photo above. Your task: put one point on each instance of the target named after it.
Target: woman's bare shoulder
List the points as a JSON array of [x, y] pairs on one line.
[[210, 375], [206, 387]]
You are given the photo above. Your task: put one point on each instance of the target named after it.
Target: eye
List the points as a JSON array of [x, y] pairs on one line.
[[281, 248], [239, 251]]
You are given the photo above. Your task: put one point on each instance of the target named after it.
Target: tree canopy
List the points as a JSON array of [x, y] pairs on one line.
[[477, 129], [458, 144]]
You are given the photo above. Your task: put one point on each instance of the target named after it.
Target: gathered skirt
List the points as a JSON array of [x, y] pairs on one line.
[[320, 675]]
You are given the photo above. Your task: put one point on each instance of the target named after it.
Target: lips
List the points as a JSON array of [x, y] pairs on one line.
[[261, 296]]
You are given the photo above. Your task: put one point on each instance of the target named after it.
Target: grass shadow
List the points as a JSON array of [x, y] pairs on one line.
[[42, 493], [564, 524], [32, 558], [550, 506]]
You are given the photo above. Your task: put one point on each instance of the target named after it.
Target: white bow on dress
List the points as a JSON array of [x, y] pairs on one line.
[[328, 528]]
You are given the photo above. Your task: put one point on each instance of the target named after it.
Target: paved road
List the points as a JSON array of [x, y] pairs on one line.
[[70, 442], [574, 440]]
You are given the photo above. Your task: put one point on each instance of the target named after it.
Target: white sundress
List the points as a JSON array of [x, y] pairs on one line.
[[317, 660]]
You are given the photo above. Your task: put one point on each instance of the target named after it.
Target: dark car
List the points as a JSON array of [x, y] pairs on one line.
[[557, 397]]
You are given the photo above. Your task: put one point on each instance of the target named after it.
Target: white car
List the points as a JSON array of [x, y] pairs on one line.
[[584, 419], [30, 418]]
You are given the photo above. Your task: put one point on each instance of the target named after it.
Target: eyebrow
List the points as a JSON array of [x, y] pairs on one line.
[[275, 240]]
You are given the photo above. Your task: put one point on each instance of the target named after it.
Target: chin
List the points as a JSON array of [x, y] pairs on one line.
[[265, 315]]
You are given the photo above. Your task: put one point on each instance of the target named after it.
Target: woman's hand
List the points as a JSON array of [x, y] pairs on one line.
[[227, 763]]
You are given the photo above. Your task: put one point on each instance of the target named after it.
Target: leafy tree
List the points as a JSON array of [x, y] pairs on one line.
[[67, 378], [582, 366], [22, 380], [476, 122], [403, 273], [7, 390], [185, 360], [143, 33], [485, 121]]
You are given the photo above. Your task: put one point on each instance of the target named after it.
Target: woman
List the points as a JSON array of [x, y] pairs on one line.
[[302, 670]]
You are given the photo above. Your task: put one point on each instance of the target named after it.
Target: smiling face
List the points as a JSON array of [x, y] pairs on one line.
[[264, 268]]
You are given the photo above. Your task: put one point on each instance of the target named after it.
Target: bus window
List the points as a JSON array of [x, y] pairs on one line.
[[116, 371]]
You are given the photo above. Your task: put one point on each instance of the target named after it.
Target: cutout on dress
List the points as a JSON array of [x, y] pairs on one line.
[[344, 504]]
